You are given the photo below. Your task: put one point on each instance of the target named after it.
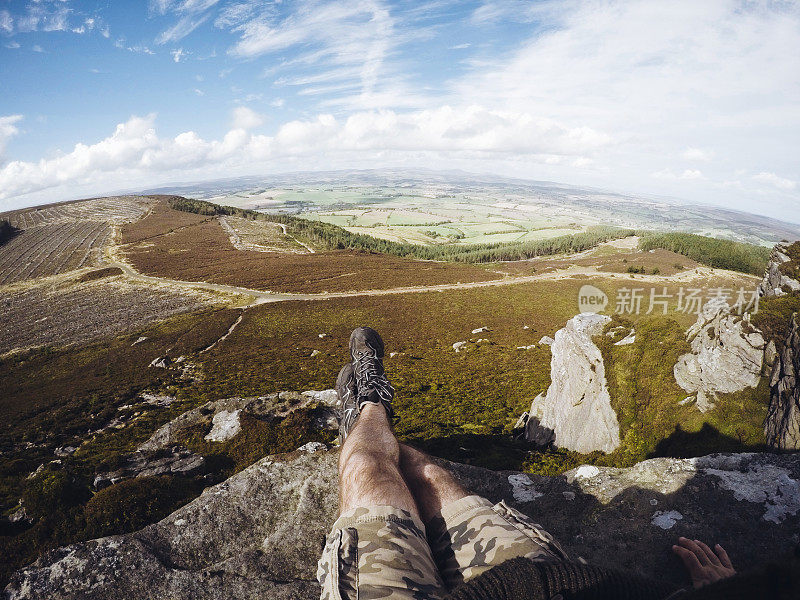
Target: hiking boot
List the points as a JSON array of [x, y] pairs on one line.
[[348, 399], [366, 351]]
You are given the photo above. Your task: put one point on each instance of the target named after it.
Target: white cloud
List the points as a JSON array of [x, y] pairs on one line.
[[669, 174], [181, 29], [8, 129], [344, 49], [193, 13], [277, 103], [135, 153], [37, 48], [697, 154], [12, 45], [697, 76], [105, 32], [460, 46], [199, 92], [178, 54], [779, 182], [6, 21], [246, 118]]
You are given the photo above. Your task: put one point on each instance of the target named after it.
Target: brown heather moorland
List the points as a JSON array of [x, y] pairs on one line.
[[191, 247]]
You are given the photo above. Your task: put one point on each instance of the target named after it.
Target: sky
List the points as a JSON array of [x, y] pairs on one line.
[[696, 100]]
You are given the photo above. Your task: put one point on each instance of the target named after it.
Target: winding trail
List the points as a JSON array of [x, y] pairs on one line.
[[287, 234], [264, 297]]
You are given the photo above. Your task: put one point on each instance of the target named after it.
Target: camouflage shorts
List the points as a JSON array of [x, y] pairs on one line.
[[383, 552]]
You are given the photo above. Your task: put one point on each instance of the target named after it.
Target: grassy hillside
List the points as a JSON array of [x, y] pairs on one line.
[[332, 237], [717, 253]]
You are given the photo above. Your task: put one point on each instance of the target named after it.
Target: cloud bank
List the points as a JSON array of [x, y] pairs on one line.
[[135, 153]]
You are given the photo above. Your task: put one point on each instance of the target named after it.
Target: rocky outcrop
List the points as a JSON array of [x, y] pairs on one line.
[[222, 417], [576, 412], [260, 533], [727, 355], [782, 425], [169, 461], [776, 282]]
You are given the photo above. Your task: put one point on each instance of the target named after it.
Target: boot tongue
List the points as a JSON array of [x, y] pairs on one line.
[[369, 396]]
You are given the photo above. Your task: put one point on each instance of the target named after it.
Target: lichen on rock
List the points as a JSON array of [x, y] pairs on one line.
[[726, 357], [782, 425], [259, 533]]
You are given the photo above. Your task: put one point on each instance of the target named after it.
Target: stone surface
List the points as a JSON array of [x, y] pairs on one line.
[[782, 425], [172, 461], [224, 425], [222, 416], [260, 533], [577, 406], [727, 355], [776, 283]]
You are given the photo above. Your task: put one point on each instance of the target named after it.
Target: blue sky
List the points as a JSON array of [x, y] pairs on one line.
[[696, 100]]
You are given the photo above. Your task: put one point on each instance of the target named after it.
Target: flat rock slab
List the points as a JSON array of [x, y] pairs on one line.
[[260, 533]]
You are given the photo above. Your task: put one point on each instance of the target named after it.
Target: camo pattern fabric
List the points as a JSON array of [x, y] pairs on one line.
[[383, 552], [378, 552], [473, 535]]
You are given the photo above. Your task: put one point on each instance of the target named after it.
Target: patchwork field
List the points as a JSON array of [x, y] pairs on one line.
[[410, 219]]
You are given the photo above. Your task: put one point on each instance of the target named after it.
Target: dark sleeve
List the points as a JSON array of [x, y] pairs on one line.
[[522, 579], [777, 580]]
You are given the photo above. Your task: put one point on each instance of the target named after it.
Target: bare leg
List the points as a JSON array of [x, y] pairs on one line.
[[369, 465], [432, 486]]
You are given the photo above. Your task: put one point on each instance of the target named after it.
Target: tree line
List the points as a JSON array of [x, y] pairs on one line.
[[714, 252]]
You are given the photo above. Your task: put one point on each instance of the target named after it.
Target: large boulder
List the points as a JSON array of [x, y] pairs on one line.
[[782, 425], [576, 412], [259, 534], [222, 417], [148, 463], [726, 357], [776, 282]]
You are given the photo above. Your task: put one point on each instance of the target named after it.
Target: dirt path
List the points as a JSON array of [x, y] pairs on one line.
[[306, 246], [251, 297], [264, 297]]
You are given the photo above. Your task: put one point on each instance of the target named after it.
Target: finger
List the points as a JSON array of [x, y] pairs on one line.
[[690, 561], [692, 546], [713, 558], [723, 557]]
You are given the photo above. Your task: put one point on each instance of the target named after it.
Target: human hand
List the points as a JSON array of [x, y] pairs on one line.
[[704, 565]]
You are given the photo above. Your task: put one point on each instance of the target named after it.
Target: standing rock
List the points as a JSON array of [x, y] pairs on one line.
[[782, 425], [727, 354], [577, 406], [775, 282]]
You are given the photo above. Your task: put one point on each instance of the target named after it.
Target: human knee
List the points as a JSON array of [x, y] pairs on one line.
[[366, 463]]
